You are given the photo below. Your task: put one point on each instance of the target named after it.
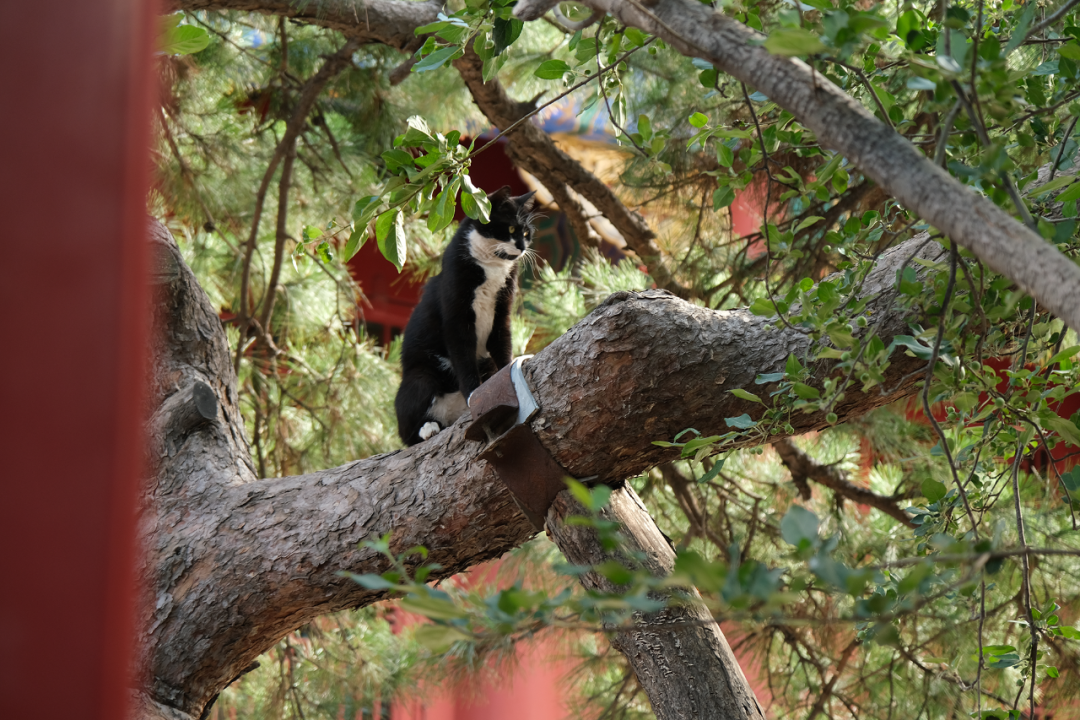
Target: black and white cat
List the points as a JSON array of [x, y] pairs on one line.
[[459, 334]]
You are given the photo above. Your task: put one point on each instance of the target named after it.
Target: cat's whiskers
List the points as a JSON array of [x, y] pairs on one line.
[[529, 260]]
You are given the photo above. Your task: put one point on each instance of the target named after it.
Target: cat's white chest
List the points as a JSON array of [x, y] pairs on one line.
[[496, 271]]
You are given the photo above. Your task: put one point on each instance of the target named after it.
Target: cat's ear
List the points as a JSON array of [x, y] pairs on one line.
[[525, 202], [500, 196]]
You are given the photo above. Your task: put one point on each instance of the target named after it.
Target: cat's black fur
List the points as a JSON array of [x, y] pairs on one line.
[[442, 360]]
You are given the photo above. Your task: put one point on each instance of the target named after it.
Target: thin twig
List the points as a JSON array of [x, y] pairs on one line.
[[311, 90], [1050, 19], [555, 99], [803, 466], [1061, 152], [765, 211], [929, 379]]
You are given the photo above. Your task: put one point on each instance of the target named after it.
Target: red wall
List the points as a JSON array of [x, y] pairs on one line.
[[76, 89]]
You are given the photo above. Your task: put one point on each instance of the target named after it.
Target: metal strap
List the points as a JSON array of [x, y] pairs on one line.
[[501, 409]]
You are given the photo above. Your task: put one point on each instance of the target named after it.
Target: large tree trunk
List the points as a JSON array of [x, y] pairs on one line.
[[232, 562]]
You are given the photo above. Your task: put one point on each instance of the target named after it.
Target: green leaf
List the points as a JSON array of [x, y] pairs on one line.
[[907, 23], [998, 649], [442, 214], [390, 233], [923, 352], [908, 282], [724, 155], [718, 465], [1004, 661], [1073, 193], [356, 240], [744, 395], [182, 39], [1065, 428], [1020, 30], [397, 159], [763, 307], [742, 422], [1070, 632], [645, 127], [438, 638], [841, 336], [326, 254], [311, 232], [505, 32], [437, 59], [1071, 51], [552, 70], [1060, 181], [698, 120], [826, 172], [477, 197], [721, 198], [806, 392], [372, 582], [1051, 671], [921, 83], [365, 209], [615, 571], [635, 37], [799, 524], [432, 607], [417, 134], [1071, 479], [469, 206], [793, 41], [933, 490], [792, 367]]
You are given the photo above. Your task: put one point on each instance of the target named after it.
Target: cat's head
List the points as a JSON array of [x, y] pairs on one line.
[[510, 223]]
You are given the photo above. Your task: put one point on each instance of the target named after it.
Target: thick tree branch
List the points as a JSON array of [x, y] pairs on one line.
[[390, 22], [803, 467], [678, 654], [233, 563], [841, 123]]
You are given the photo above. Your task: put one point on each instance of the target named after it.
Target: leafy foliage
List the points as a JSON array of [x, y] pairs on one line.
[[972, 609]]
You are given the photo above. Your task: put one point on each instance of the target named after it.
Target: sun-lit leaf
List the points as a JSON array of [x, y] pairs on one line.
[[798, 524], [552, 70], [744, 395], [794, 41], [437, 59], [390, 234], [178, 39]]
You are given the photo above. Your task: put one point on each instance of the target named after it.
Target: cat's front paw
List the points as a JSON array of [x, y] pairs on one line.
[[429, 429]]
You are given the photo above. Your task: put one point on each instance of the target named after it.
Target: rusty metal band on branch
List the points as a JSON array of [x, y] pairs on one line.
[[501, 410]]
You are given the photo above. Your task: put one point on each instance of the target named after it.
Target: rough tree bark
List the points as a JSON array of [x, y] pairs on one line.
[[232, 562]]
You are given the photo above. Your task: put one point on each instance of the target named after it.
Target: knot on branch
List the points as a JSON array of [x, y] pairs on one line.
[[181, 414]]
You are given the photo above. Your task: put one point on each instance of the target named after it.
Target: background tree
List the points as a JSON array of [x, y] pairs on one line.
[[986, 91]]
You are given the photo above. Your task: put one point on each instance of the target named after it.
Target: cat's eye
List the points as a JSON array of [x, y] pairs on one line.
[[512, 229]]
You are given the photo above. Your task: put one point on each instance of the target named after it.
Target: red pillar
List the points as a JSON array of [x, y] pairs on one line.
[[76, 95]]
